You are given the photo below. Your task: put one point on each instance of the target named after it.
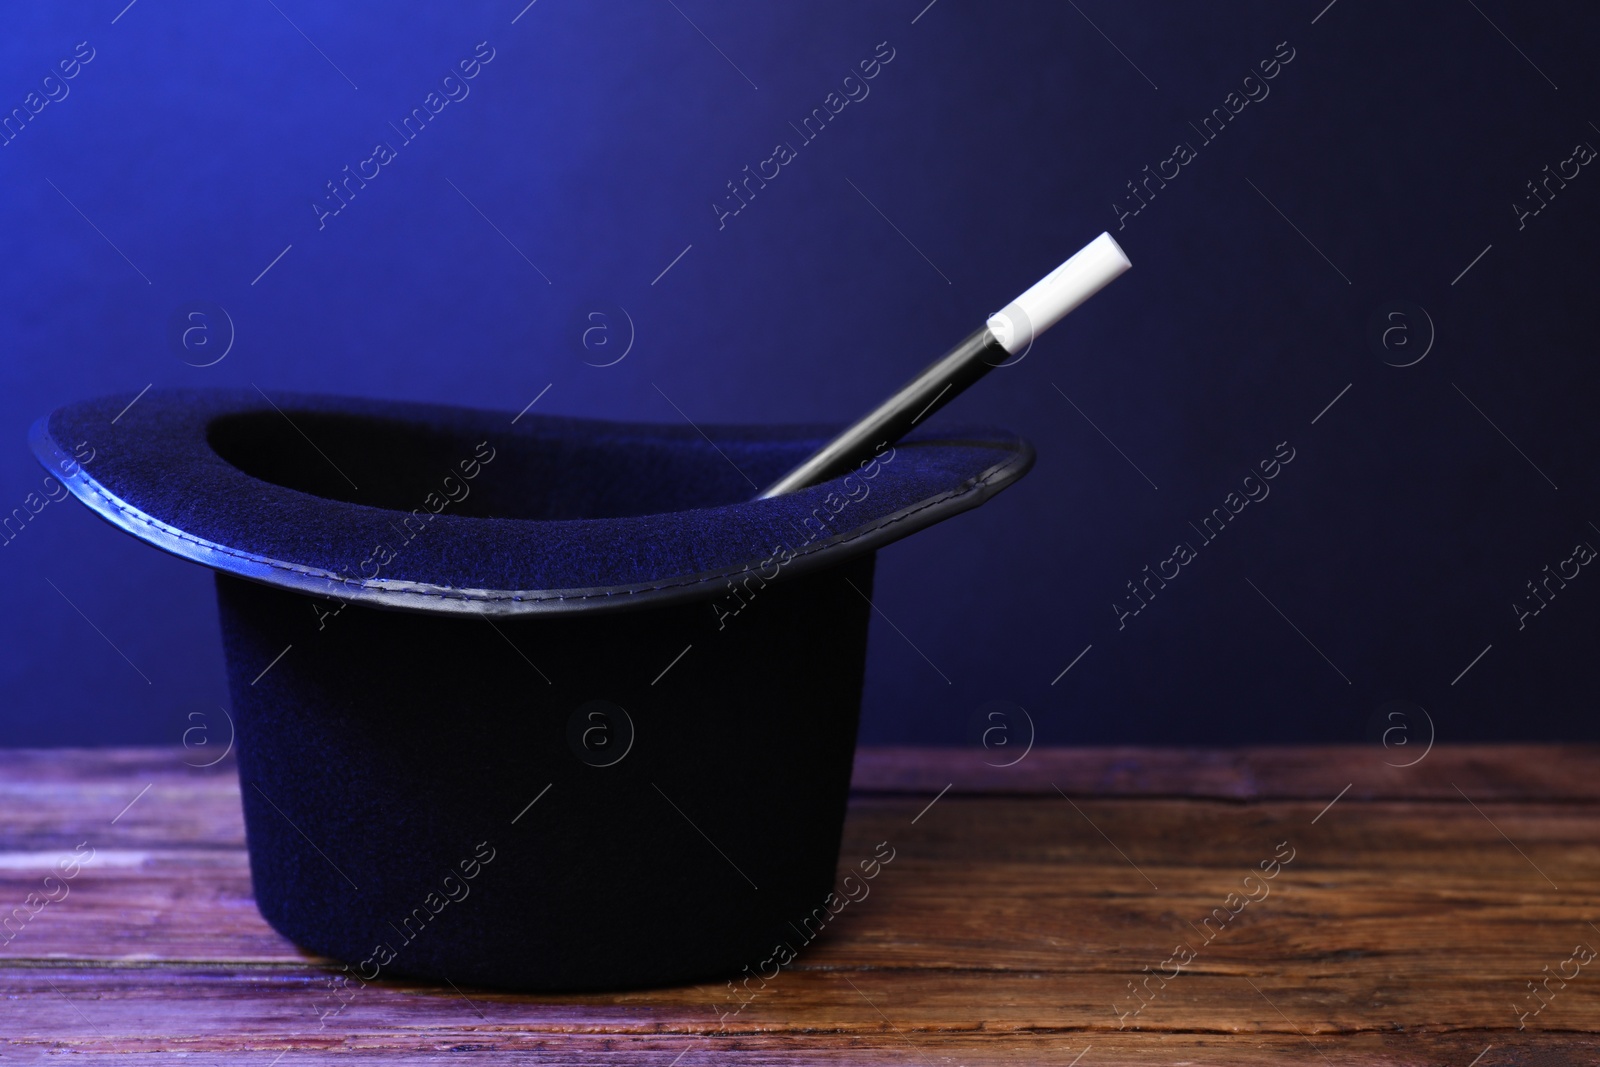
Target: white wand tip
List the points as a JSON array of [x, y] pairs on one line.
[[1049, 300]]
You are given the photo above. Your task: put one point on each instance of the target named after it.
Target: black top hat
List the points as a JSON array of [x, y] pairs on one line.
[[629, 768]]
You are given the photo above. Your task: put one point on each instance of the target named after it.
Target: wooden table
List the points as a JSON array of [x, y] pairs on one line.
[[1408, 911]]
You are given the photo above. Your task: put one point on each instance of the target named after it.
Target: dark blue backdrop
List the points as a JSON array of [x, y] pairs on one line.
[[1387, 153]]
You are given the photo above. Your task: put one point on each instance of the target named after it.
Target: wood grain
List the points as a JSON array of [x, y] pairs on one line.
[[1018, 909]]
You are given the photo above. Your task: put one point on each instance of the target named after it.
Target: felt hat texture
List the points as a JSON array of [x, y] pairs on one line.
[[526, 701]]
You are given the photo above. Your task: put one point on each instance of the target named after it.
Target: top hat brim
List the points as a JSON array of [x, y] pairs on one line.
[[444, 509]]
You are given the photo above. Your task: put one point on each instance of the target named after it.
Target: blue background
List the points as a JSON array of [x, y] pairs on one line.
[[996, 142]]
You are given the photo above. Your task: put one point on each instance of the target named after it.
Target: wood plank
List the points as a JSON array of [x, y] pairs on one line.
[[959, 898], [1563, 772], [55, 798], [1455, 1049], [1007, 929], [196, 1007], [1401, 879]]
